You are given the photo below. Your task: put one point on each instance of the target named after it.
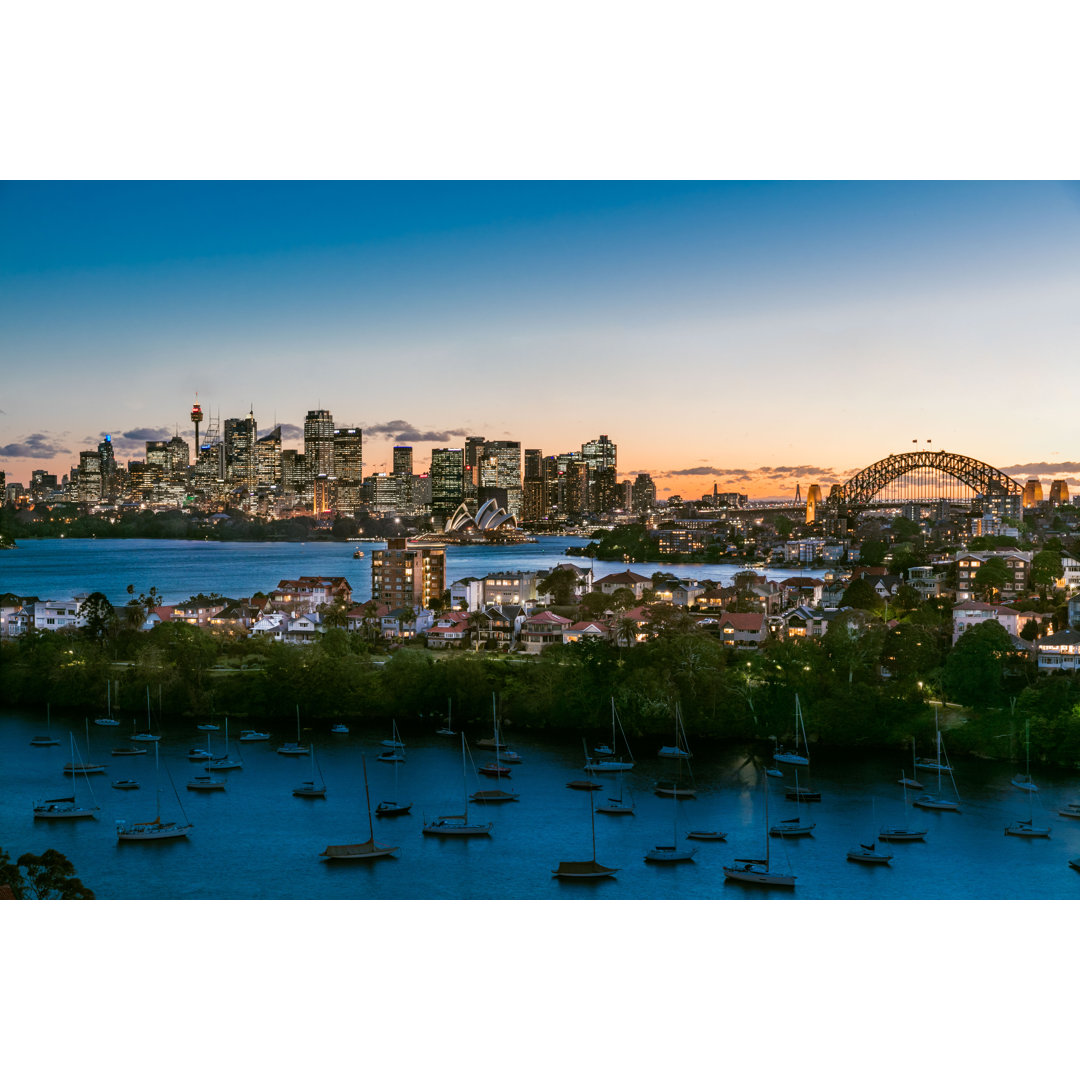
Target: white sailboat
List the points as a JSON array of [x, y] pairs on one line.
[[224, 762], [80, 767], [589, 870], [294, 749], [494, 795], [204, 781], [1026, 828], [671, 853], [794, 757], [394, 753], [455, 824], [605, 759], [48, 739], [759, 871], [899, 833], [366, 850], [66, 807], [617, 804], [250, 735], [448, 728], [910, 781], [391, 807], [147, 735], [156, 829], [938, 802], [308, 789], [1023, 780], [681, 749], [107, 720]]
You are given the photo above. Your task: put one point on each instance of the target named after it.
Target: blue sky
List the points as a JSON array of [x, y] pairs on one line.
[[728, 327]]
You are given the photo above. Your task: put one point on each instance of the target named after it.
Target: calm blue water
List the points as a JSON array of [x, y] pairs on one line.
[[54, 569], [256, 841]]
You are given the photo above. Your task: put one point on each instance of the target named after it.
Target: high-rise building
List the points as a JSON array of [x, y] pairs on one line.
[[179, 455], [318, 444], [534, 502], [240, 438], [507, 474], [626, 495], [603, 492], [348, 454], [600, 454], [157, 459], [403, 461], [408, 574], [89, 488], [575, 488], [268, 459], [644, 493], [447, 483], [549, 472], [109, 485], [293, 471], [533, 459]]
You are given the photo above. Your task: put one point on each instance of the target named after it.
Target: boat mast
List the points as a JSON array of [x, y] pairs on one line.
[[464, 779], [495, 730], [367, 794], [157, 769]]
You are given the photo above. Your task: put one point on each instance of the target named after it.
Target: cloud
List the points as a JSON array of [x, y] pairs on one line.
[[134, 440], [402, 431], [291, 431], [699, 470], [37, 445], [1034, 467]]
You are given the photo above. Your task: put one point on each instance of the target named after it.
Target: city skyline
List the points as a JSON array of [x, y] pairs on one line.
[[754, 336]]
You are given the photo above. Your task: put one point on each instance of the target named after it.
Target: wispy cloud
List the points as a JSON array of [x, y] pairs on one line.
[[38, 445], [1043, 467], [403, 431], [135, 439]]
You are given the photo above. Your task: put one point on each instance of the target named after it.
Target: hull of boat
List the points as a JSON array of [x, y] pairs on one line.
[[340, 852], [1024, 784], [792, 830], [669, 855], [221, 766], [676, 793], [1028, 832], [493, 797], [146, 832], [894, 836], [125, 785], [82, 770], [107, 723], [339, 729], [583, 871], [750, 876], [143, 737], [802, 795], [671, 752], [928, 802], [608, 766], [791, 759], [128, 751], [584, 785], [615, 809], [57, 813], [207, 727], [44, 740], [391, 809], [933, 766], [254, 736], [870, 858], [459, 828], [293, 751], [702, 834], [1069, 812], [493, 770], [913, 784], [215, 785]]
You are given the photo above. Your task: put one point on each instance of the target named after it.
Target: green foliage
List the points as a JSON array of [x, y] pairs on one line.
[[974, 670], [872, 552], [862, 595], [992, 577], [559, 584], [1046, 568], [48, 876]]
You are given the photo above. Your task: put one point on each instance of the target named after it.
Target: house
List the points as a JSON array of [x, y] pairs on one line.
[[973, 612], [405, 622], [739, 629], [1059, 652], [626, 579], [449, 630], [927, 581], [802, 590], [467, 594], [969, 563], [365, 618], [589, 629], [498, 626], [542, 629], [14, 614], [199, 610], [804, 622], [308, 593], [58, 614], [1074, 610]]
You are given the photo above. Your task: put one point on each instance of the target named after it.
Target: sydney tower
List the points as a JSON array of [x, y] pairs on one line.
[[196, 419]]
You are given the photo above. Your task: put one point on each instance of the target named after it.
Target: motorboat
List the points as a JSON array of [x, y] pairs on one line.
[[669, 853], [705, 834], [254, 736], [207, 727], [125, 785], [339, 729], [392, 809], [455, 825]]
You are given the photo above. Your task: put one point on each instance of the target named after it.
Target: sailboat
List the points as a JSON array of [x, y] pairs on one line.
[[494, 795], [1072, 810], [455, 824], [617, 805], [48, 739], [308, 789], [670, 853], [680, 749], [156, 829], [899, 833], [225, 762], [395, 748], [936, 802], [294, 749], [793, 757], [448, 729], [394, 742], [391, 807], [801, 794], [910, 781], [65, 807], [83, 768], [607, 761], [368, 849], [866, 853], [759, 871], [1027, 828], [204, 781], [585, 871], [1023, 780], [145, 736], [107, 720]]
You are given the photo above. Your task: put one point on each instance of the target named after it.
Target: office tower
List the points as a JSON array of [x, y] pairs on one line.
[[318, 444], [210, 457], [534, 500], [1033, 493], [507, 473], [644, 493], [89, 489], [1059, 493], [626, 495], [348, 454], [196, 419], [408, 574], [599, 454], [533, 466], [268, 459], [157, 459], [474, 451], [549, 473], [384, 492], [41, 483], [447, 483], [575, 488], [293, 471], [109, 485], [403, 460], [602, 490], [240, 438], [321, 501], [179, 457]]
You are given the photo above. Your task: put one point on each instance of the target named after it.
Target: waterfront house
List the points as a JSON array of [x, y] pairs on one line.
[[449, 630], [625, 579], [973, 612], [58, 614], [968, 564], [308, 593], [542, 629], [15, 614], [1059, 652], [591, 629], [739, 629], [403, 623]]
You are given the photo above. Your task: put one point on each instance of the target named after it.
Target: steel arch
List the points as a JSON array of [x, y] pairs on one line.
[[982, 478]]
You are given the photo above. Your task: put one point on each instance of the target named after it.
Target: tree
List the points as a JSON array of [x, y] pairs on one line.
[[992, 577], [974, 669], [596, 603], [560, 585], [784, 525], [335, 614], [872, 552], [48, 876], [861, 594], [99, 616], [1046, 568], [622, 599], [907, 598]]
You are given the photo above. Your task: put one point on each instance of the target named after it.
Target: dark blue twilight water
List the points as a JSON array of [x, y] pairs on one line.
[[256, 840]]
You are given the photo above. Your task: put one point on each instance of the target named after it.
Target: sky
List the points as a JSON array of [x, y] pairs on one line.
[[751, 335]]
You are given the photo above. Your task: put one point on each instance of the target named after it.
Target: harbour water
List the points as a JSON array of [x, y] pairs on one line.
[[55, 569], [256, 840]]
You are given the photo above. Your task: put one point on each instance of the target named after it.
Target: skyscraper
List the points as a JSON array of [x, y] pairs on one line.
[[600, 454], [533, 458], [507, 475], [403, 461], [109, 483], [348, 468], [447, 483], [240, 438], [268, 459], [318, 445]]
